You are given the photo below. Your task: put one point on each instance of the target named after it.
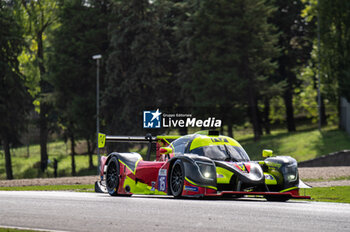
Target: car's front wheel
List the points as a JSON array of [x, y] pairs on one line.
[[112, 176], [177, 178]]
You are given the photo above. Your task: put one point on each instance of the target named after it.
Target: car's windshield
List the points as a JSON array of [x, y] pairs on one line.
[[222, 152]]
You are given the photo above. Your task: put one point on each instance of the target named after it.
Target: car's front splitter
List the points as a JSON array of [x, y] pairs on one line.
[[294, 194]]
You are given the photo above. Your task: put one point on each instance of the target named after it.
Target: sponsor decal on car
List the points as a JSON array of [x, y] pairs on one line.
[[269, 177], [219, 175], [153, 186], [190, 188]]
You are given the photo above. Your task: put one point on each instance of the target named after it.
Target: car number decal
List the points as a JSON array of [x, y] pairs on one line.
[[162, 180]]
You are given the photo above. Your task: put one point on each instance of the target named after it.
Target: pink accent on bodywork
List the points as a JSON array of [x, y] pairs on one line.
[[246, 166]]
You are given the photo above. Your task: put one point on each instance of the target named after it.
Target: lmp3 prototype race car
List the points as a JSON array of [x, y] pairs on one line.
[[204, 164]]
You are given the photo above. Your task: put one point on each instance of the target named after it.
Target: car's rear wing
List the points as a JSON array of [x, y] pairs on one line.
[[160, 140]]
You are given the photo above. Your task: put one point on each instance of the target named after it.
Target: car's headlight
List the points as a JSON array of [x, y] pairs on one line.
[[291, 177], [206, 170], [291, 172]]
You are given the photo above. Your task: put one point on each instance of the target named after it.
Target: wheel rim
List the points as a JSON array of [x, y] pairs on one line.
[[176, 180], [111, 175]]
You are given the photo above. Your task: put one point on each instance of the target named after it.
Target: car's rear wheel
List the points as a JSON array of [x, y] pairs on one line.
[[112, 176], [177, 178]]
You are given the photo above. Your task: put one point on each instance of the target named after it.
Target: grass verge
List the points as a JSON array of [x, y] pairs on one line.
[[75, 188], [15, 230], [327, 179], [339, 194]]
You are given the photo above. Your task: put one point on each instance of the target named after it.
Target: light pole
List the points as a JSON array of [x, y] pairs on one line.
[[97, 58]]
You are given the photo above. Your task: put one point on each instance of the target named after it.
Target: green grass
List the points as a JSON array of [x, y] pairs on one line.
[[76, 188], [302, 145], [340, 194]]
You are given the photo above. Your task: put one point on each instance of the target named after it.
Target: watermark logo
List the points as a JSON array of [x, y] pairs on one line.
[[151, 119], [156, 119]]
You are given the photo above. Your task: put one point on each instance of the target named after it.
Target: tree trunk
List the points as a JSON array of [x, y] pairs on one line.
[[43, 106], [90, 152], [229, 128], [288, 101], [8, 162], [323, 112], [253, 112], [267, 116], [43, 138], [73, 153], [183, 130]]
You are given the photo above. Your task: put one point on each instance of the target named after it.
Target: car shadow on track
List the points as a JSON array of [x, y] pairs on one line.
[[242, 199]]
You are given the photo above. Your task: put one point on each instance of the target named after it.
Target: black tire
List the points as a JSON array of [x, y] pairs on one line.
[[177, 178], [112, 176], [277, 198]]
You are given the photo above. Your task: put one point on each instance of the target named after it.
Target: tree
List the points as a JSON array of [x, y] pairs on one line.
[[295, 41], [137, 74], [334, 19], [174, 17], [14, 98], [332, 56], [232, 46], [39, 16], [82, 33]]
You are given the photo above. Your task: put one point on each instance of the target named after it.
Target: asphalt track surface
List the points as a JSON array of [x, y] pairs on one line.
[[71, 211]]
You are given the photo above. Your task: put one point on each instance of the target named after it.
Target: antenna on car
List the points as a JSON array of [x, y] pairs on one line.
[[213, 132], [149, 138], [208, 132]]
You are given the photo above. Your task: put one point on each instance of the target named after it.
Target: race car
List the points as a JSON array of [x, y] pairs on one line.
[[204, 164]]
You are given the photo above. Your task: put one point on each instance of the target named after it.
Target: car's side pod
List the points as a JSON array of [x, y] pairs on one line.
[[130, 159]]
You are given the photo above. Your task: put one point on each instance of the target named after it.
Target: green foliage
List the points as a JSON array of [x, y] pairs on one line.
[[335, 44], [232, 46], [334, 19], [240, 61], [137, 76], [295, 41], [37, 18], [82, 33], [14, 98]]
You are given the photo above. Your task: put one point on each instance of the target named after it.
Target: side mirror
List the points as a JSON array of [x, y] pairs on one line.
[[267, 153], [165, 150]]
